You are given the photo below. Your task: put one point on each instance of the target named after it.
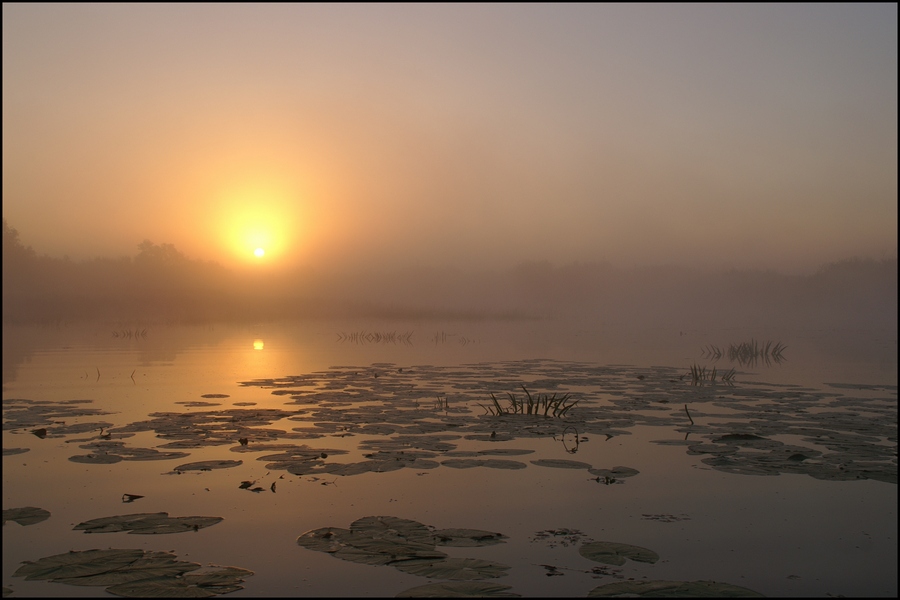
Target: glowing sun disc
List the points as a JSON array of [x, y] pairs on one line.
[[259, 252]]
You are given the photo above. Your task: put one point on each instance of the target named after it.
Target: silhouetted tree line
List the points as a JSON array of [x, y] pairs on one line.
[[160, 282]]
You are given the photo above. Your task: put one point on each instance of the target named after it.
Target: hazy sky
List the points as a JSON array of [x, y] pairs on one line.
[[720, 135]]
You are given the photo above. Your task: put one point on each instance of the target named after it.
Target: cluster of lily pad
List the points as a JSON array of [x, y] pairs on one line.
[[408, 546], [859, 431], [411, 547], [395, 408], [135, 573]]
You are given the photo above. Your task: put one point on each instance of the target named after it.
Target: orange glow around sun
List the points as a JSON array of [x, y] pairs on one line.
[[258, 222]]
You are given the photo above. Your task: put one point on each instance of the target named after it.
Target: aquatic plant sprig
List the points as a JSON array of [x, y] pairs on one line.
[[540, 404], [700, 375]]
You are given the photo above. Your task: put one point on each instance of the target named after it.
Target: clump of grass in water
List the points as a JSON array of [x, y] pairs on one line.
[[541, 404], [700, 375]]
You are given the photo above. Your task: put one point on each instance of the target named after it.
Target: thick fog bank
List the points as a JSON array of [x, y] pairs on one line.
[[162, 284]]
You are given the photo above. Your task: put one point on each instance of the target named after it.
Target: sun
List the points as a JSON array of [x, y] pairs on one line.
[[257, 220]]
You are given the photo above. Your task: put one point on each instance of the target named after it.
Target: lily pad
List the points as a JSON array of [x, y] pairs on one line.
[[27, 515], [406, 544], [456, 569], [619, 472], [467, 537], [77, 564], [613, 553], [559, 463], [12, 451], [146, 523], [135, 573], [221, 580], [491, 463], [100, 458], [459, 589], [672, 589], [208, 465]]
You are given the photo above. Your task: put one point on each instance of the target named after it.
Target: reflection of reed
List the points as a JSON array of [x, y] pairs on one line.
[[376, 337], [748, 354], [441, 338], [128, 333]]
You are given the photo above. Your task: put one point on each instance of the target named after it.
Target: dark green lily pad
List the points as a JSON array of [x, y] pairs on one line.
[[77, 564], [671, 589], [12, 451], [406, 544], [208, 465], [386, 526], [146, 523], [491, 463], [559, 463], [613, 553], [459, 589], [135, 573], [617, 472], [455, 569], [99, 458], [27, 515], [467, 537], [197, 584]]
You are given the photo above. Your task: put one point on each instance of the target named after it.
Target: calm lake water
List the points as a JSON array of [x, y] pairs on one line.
[[781, 480]]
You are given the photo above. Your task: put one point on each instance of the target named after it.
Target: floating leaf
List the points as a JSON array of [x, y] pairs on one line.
[[559, 463], [77, 564], [491, 463], [12, 451], [100, 458], [207, 465], [324, 539], [619, 472], [27, 515], [456, 569], [612, 553], [146, 523], [459, 589], [672, 589], [135, 573], [197, 584], [467, 537]]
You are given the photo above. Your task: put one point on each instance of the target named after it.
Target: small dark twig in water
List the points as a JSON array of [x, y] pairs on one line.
[[688, 414]]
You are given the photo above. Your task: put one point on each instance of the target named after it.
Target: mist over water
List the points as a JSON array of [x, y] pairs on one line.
[[161, 284]]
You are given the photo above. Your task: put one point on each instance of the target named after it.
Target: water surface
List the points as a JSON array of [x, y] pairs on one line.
[[783, 481]]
